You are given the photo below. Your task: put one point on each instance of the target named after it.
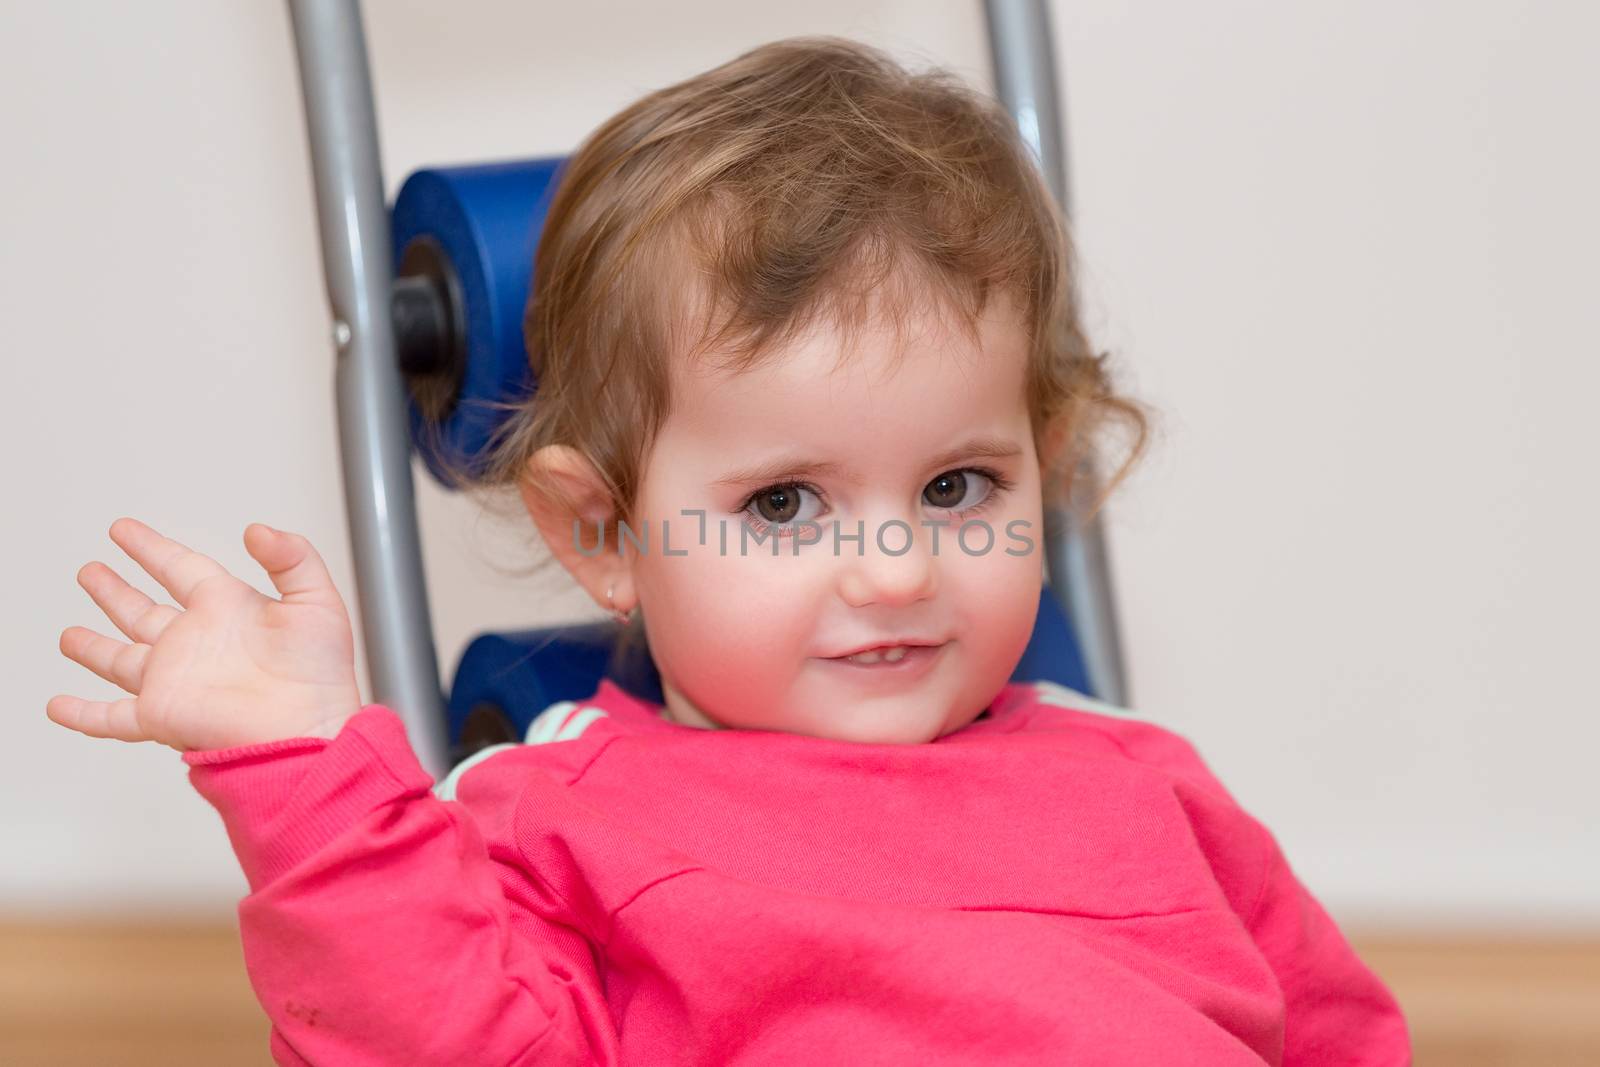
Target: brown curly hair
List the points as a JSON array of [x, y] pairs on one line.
[[796, 182]]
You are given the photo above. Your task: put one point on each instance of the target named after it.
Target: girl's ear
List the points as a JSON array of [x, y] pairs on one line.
[[568, 502]]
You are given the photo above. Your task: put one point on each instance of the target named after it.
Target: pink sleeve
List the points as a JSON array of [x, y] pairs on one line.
[[1336, 1010], [376, 930]]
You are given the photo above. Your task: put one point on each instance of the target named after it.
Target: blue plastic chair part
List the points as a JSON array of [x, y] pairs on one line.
[[486, 220]]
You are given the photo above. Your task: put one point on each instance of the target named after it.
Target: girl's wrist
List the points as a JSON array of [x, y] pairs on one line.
[[330, 728]]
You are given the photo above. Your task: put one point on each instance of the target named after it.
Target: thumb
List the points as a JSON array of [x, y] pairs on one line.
[[296, 570]]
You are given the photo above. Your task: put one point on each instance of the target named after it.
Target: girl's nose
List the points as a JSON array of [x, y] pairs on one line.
[[883, 574]]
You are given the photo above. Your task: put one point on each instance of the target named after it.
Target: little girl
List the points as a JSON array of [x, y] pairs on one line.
[[808, 363]]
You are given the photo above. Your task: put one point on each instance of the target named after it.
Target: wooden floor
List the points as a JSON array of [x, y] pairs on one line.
[[133, 995], [1478, 1001], [136, 995]]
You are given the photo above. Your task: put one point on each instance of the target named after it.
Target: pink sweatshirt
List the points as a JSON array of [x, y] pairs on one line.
[[1052, 884]]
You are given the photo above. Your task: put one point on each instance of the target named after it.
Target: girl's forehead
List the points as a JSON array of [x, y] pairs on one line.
[[922, 381]]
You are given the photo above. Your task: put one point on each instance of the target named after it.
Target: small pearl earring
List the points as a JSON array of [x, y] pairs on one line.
[[617, 613]]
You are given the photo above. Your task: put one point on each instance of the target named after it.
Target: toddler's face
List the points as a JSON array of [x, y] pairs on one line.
[[749, 640]]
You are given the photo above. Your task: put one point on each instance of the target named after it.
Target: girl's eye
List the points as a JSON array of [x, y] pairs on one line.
[[960, 490], [783, 508], [782, 505]]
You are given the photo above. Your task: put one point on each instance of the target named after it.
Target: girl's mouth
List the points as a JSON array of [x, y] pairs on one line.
[[897, 661]]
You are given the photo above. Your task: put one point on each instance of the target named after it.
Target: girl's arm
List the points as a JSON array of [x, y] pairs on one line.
[[377, 929], [1336, 1009]]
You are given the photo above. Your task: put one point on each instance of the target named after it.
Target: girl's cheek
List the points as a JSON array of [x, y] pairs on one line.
[[997, 592]]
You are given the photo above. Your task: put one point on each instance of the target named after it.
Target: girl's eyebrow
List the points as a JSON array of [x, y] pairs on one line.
[[774, 470]]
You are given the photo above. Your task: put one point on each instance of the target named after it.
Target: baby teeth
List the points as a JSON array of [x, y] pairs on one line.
[[893, 655]]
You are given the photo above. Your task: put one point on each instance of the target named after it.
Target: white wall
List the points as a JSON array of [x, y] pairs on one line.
[[1347, 251]]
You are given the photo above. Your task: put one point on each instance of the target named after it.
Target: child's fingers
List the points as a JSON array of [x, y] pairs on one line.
[[116, 661], [177, 567], [294, 566], [135, 614], [118, 719]]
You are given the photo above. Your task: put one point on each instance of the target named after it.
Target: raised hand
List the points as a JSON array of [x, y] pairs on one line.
[[228, 666]]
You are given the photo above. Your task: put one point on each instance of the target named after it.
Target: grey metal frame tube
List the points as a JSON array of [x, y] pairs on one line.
[[1023, 53], [374, 436]]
